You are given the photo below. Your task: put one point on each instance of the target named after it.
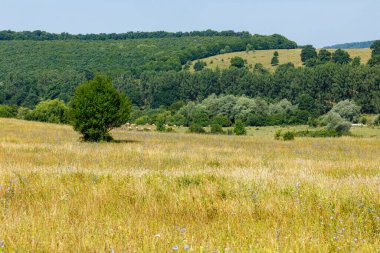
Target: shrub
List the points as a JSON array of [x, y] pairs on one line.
[[52, 111], [97, 107], [335, 122], [239, 128], [216, 129], [143, 120], [196, 128], [178, 119], [348, 110], [199, 65], [160, 123], [222, 121], [237, 62], [288, 136], [319, 133], [8, 111], [24, 113], [376, 120], [277, 135]]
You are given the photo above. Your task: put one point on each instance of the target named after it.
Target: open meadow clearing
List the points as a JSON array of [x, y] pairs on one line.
[[264, 57], [178, 192]]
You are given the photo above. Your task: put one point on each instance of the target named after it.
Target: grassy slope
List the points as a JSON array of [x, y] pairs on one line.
[[247, 194], [265, 56]]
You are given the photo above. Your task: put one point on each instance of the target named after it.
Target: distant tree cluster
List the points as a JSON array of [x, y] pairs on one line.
[[311, 58]]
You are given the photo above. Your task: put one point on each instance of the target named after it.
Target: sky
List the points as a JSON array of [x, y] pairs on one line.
[[317, 22]]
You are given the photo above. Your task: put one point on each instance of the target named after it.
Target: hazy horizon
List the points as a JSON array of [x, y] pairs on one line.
[[321, 23]]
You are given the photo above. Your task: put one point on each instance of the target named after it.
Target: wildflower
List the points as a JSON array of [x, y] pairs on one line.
[[111, 250], [355, 239], [186, 247], [157, 235], [175, 248], [2, 244], [335, 238], [226, 249], [331, 217], [183, 230]]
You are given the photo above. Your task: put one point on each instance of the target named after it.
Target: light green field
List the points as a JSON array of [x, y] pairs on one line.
[[153, 192], [265, 56]]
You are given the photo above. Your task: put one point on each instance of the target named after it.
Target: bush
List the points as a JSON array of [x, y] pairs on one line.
[[8, 111], [335, 122], [239, 128], [222, 121], [319, 133], [196, 128], [52, 111], [288, 136], [348, 110], [216, 129], [96, 108], [143, 120], [376, 120], [237, 62], [277, 135], [24, 113], [160, 123]]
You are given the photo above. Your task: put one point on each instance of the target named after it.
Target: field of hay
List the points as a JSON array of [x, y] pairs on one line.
[[265, 56], [178, 192]]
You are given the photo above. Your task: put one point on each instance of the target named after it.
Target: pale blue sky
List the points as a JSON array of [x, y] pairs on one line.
[[318, 22]]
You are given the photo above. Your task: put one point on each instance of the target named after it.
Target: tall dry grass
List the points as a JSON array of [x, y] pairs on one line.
[[181, 192]]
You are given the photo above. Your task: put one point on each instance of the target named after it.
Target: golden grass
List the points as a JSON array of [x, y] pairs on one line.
[[265, 56], [154, 191]]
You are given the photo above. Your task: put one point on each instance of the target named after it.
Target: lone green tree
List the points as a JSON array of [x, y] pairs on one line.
[[308, 52], [340, 56], [199, 65], [96, 108], [237, 62], [324, 55], [239, 128], [375, 60], [274, 60]]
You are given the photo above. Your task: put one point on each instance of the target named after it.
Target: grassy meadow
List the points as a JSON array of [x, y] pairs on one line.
[[265, 56], [176, 192]]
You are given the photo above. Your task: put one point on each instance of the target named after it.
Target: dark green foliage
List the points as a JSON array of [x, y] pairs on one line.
[[216, 129], [239, 128], [356, 61], [96, 108], [323, 133], [237, 62], [199, 65], [375, 48], [340, 56], [288, 136], [274, 61], [196, 128], [308, 52], [221, 120], [376, 120], [52, 111], [375, 60], [160, 123], [275, 54], [324, 55], [8, 111]]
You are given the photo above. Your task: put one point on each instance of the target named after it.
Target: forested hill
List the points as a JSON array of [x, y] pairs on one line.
[[363, 44]]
